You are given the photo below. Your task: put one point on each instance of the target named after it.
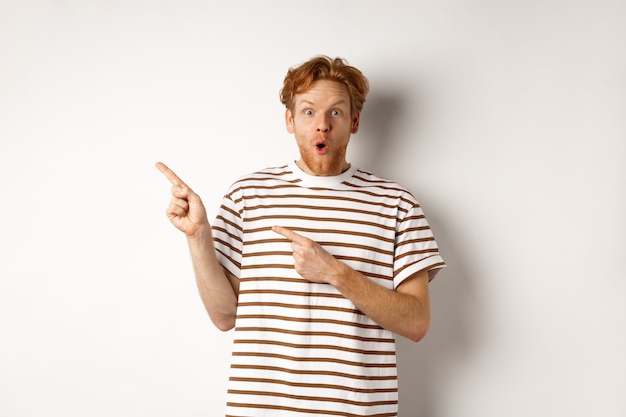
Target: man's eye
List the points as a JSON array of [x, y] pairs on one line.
[[336, 112], [308, 112]]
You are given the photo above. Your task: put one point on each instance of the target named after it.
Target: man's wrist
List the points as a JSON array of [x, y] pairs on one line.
[[202, 235], [343, 277]]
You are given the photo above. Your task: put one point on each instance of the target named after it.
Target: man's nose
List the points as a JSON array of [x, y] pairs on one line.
[[323, 124]]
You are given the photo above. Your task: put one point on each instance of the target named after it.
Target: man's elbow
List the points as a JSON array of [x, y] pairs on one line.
[[224, 327], [224, 323], [418, 332]]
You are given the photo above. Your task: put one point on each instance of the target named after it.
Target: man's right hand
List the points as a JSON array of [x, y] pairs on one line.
[[185, 210]]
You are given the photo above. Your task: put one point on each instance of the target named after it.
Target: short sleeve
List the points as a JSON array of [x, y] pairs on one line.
[[228, 235], [415, 247]]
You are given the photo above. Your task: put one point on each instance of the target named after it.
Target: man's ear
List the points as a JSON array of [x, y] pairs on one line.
[[289, 121], [355, 123]]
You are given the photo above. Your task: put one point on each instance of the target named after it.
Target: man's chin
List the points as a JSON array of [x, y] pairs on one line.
[[322, 165]]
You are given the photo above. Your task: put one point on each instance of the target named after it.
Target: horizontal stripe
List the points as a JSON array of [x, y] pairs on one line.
[[312, 385], [317, 333], [379, 197], [226, 232], [430, 266], [228, 222], [308, 320], [298, 306], [324, 244], [354, 233], [317, 347], [232, 260], [335, 374], [274, 279], [414, 241], [305, 207], [301, 280], [294, 293], [305, 411], [321, 359], [311, 398], [360, 222]]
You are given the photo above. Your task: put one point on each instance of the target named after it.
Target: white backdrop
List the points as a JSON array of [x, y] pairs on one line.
[[506, 119]]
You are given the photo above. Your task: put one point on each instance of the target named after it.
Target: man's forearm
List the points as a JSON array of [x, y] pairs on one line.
[[217, 293], [405, 311]]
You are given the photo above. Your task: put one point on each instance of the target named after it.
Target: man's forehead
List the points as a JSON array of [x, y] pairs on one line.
[[324, 91]]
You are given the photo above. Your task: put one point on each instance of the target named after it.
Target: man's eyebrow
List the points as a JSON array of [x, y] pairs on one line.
[[310, 103]]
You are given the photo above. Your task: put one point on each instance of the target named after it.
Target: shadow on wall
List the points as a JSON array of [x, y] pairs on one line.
[[423, 368], [426, 369], [377, 137]]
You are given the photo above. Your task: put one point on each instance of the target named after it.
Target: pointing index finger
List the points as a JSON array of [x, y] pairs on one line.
[[169, 174], [288, 233]]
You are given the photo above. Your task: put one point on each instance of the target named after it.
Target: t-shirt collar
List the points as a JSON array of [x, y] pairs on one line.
[[320, 180]]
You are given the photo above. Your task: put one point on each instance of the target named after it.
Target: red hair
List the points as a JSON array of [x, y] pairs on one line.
[[299, 79]]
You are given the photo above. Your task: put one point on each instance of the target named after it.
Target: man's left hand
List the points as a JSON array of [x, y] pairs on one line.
[[312, 262]]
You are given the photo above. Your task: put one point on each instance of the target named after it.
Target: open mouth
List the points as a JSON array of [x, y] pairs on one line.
[[321, 148]]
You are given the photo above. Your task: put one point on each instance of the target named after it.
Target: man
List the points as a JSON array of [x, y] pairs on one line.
[[316, 264]]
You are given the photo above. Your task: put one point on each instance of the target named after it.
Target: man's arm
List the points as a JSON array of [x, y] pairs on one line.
[[218, 288], [405, 311]]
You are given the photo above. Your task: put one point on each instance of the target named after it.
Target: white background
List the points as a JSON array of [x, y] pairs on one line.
[[505, 118]]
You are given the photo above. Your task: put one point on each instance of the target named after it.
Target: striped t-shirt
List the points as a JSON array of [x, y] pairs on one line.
[[301, 348]]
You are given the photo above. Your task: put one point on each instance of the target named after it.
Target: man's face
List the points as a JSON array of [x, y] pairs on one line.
[[322, 125]]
